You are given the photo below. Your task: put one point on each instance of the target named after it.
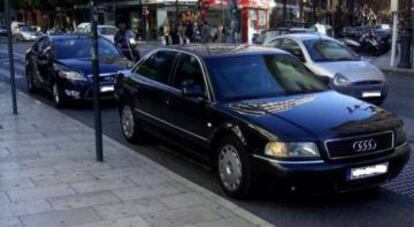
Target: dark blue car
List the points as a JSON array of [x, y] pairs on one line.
[[62, 66], [255, 112]]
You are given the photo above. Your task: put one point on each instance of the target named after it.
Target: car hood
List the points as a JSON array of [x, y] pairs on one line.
[[353, 70], [106, 65], [29, 33], [314, 117]]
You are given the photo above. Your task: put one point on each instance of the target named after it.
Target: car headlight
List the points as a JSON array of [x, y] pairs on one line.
[[340, 80], [292, 150], [72, 75]]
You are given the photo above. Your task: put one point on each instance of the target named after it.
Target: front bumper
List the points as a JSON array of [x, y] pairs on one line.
[[364, 91], [83, 90], [331, 176]]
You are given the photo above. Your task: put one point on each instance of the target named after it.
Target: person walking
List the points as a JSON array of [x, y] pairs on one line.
[[196, 33], [205, 32], [181, 33], [189, 32], [124, 40], [166, 30]]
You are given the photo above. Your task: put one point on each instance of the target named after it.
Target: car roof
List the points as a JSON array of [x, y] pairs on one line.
[[221, 50], [63, 36], [305, 36]]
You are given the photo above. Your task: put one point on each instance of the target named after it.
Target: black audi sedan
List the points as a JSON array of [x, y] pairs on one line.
[[62, 66], [253, 111]]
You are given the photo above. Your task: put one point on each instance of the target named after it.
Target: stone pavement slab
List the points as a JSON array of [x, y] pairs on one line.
[[49, 177]]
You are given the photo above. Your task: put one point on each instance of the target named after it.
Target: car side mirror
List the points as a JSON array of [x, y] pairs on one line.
[[192, 90]]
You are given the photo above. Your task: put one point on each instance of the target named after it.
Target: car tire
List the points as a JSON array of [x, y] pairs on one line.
[[57, 96], [129, 125], [234, 168], [31, 87]]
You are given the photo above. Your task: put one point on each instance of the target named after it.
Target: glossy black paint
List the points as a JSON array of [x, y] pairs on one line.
[[198, 124], [44, 69]]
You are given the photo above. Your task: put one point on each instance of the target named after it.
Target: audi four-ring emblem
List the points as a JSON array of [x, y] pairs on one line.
[[364, 145]]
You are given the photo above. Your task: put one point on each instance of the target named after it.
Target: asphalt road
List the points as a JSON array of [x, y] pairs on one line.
[[392, 205]]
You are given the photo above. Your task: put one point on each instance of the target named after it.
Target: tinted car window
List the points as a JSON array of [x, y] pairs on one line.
[[158, 66], [259, 76], [275, 43], [71, 48], [289, 44], [329, 50], [107, 30], [188, 69]]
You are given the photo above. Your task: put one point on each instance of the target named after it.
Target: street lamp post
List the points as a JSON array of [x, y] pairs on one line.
[[11, 57], [406, 36], [96, 88]]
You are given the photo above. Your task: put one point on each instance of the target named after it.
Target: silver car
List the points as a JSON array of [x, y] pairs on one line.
[[336, 64]]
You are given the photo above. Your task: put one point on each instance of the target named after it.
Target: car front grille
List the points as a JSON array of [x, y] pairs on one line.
[[363, 145]]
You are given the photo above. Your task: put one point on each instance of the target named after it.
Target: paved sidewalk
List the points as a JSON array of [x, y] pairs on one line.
[[49, 177], [383, 63]]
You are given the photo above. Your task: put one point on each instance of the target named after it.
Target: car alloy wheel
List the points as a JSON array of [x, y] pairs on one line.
[[230, 168], [234, 168], [128, 122], [130, 127]]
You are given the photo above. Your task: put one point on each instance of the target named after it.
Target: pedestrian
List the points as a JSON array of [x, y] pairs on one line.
[[205, 32], [124, 38], [181, 33], [196, 32], [167, 33], [174, 33], [223, 33], [189, 32]]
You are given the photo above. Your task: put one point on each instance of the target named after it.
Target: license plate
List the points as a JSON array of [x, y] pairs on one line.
[[107, 88], [370, 94], [367, 171]]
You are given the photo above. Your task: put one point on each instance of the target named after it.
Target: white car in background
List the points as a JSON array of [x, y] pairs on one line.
[[107, 31], [336, 64], [26, 33]]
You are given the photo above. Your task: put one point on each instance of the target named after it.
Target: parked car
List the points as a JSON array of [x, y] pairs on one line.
[[107, 31], [270, 34], [339, 66], [25, 33], [252, 111], [62, 66]]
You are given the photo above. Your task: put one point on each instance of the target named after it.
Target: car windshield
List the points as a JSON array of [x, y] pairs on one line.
[[25, 29], [258, 76], [107, 30], [81, 48], [324, 50]]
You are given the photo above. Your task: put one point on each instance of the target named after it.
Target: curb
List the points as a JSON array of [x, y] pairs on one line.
[[239, 211]]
